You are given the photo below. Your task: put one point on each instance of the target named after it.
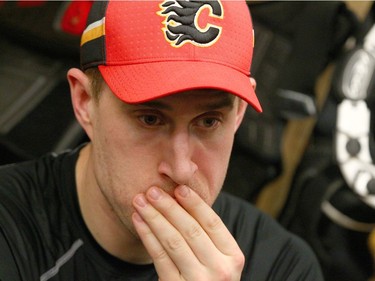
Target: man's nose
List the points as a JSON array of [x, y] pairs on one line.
[[177, 161]]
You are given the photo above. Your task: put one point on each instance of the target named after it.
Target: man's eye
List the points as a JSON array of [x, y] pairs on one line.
[[150, 120], [209, 122]]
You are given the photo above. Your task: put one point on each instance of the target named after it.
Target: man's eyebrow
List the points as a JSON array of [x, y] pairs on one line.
[[156, 104]]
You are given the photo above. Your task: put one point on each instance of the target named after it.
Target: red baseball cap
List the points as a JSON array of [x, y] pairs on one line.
[[150, 49]]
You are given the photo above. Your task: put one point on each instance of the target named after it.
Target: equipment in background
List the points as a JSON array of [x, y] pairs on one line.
[[290, 53], [39, 42], [332, 200]]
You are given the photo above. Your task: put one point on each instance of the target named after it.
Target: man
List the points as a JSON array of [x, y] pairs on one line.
[[163, 88]]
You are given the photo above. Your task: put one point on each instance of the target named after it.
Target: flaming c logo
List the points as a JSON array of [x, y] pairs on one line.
[[183, 22]]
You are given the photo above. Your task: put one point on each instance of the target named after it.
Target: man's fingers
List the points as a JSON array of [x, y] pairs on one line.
[[208, 219], [163, 263], [213, 226], [189, 228], [189, 232], [163, 241]]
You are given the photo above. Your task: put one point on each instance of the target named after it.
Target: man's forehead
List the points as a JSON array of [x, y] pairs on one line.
[[214, 98], [216, 92]]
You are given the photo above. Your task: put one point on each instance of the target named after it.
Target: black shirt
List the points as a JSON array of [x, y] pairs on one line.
[[43, 235]]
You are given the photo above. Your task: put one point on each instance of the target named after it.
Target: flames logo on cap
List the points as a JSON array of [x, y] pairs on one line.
[[181, 24]]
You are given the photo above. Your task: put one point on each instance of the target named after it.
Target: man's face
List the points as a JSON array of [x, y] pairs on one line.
[[185, 139]]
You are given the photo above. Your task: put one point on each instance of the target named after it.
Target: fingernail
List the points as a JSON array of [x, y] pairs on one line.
[[154, 193], [140, 200], [183, 190], [137, 217]]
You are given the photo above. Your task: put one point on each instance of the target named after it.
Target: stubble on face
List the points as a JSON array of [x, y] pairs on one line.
[[119, 181]]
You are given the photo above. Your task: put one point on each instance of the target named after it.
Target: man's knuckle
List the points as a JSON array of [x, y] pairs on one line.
[[174, 243], [194, 231], [223, 274], [228, 269], [239, 261], [154, 216], [214, 223], [160, 255], [171, 205]]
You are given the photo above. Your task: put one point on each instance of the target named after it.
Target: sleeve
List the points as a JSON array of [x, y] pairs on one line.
[[271, 252], [278, 255], [18, 248], [8, 266], [295, 262]]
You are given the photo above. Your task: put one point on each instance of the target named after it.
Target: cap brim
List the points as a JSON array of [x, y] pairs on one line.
[[142, 82]]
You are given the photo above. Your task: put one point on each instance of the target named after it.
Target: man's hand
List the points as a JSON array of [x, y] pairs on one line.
[[185, 238]]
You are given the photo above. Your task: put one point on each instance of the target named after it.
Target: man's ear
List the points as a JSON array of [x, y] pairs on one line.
[[253, 83], [242, 105], [82, 99]]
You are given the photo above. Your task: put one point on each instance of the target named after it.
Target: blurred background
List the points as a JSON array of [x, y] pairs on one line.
[[306, 160]]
